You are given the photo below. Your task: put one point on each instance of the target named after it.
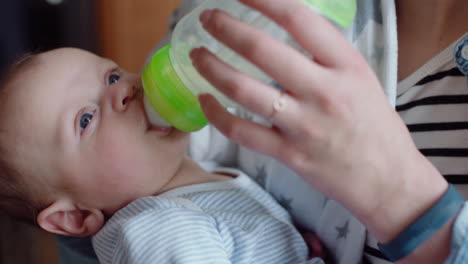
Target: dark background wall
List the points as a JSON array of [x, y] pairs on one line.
[[39, 25]]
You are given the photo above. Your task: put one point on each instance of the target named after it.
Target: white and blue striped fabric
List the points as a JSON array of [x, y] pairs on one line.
[[233, 221]]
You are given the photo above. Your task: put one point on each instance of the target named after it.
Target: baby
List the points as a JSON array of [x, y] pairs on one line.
[[79, 158]]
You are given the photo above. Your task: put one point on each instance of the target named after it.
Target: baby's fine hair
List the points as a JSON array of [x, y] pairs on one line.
[[16, 196]]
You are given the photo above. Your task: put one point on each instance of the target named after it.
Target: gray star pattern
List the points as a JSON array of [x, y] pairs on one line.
[[325, 201], [343, 231], [367, 10], [377, 55], [261, 175], [285, 202]]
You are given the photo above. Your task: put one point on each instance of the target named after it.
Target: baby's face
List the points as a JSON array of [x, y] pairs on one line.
[[81, 120]]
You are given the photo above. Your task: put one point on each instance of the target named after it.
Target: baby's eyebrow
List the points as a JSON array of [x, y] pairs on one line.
[[105, 67], [110, 62]]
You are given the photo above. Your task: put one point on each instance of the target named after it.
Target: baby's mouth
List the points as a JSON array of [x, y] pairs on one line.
[[155, 128], [165, 130], [154, 122]]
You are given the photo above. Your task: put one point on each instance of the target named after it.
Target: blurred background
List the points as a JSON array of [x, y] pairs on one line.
[[123, 30]]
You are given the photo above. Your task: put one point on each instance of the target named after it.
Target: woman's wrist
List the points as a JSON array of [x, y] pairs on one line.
[[435, 249], [424, 227], [406, 196]]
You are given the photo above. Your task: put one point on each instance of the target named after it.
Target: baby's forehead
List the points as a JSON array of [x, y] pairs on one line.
[[54, 75], [39, 79], [65, 53], [66, 60], [32, 66], [52, 65], [12, 80]]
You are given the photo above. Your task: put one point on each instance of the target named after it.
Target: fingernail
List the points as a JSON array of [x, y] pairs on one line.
[[194, 53], [203, 97], [205, 16]]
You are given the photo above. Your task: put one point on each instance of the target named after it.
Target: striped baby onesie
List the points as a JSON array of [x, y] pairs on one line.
[[233, 221]]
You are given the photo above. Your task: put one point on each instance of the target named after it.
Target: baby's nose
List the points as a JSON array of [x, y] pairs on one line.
[[123, 95]]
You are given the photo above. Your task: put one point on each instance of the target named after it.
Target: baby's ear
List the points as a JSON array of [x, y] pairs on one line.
[[65, 218]]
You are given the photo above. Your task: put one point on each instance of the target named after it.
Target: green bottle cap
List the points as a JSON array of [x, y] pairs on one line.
[[342, 12], [168, 94], [174, 102]]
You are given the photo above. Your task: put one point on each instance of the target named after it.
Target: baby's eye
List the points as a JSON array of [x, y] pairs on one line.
[[85, 119], [113, 78]]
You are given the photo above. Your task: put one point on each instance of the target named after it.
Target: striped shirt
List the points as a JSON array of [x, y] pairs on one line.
[[233, 221], [433, 103]]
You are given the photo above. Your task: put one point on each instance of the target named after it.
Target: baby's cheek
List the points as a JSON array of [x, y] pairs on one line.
[[115, 158], [117, 176], [118, 162], [118, 148]]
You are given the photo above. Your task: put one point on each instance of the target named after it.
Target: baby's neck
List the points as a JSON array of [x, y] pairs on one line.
[[191, 173]]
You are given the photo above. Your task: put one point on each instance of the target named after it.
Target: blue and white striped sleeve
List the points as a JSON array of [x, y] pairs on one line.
[[175, 235]]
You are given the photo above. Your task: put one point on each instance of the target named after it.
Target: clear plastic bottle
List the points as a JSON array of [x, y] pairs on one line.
[[172, 84]]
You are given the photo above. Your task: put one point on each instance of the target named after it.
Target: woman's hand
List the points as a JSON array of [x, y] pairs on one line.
[[332, 124]]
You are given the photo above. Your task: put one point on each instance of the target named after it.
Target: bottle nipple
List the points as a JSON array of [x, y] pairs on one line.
[[153, 117]]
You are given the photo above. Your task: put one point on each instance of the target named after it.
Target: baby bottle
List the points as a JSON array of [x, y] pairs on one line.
[[172, 84]]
